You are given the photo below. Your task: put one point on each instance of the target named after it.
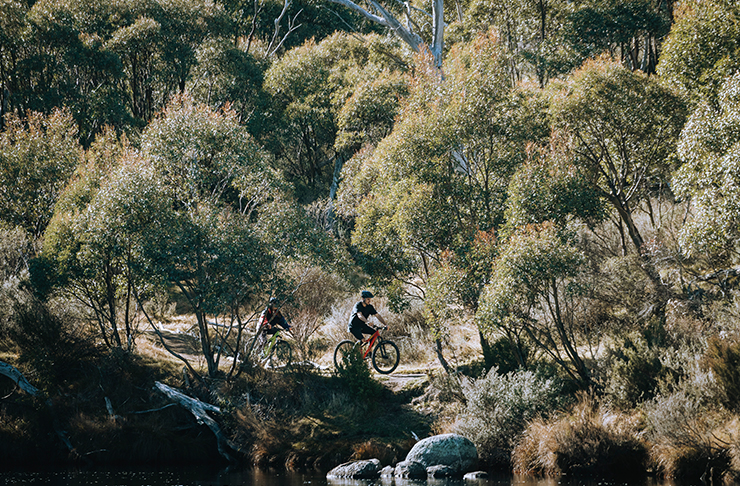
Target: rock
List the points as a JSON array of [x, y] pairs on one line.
[[410, 470], [452, 450], [369, 469], [472, 476], [387, 472], [439, 471]]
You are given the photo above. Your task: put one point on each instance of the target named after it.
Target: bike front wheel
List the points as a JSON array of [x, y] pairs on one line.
[[342, 352], [386, 357], [282, 355]]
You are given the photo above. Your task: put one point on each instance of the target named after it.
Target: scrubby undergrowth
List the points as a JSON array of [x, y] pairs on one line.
[[112, 414]]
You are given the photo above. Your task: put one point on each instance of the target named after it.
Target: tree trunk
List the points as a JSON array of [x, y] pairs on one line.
[[488, 357], [338, 164], [626, 216], [440, 356], [205, 341]]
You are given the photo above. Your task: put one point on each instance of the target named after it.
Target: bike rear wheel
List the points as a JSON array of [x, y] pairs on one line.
[[282, 355], [341, 352], [386, 357]]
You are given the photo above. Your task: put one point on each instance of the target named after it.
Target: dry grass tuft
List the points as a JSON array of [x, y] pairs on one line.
[[374, 449], [690, 440], [589, 441]]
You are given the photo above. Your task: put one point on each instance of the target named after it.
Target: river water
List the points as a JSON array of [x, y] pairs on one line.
[[253, 477]]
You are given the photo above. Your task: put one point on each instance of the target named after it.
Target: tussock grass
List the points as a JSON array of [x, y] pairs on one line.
[[590, 440], [691, 439]]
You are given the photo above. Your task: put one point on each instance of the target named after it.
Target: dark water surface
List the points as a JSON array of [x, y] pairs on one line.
[[252, 477]]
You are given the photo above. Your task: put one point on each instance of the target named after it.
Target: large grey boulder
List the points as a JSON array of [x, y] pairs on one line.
[[369, 469], [452, 450]]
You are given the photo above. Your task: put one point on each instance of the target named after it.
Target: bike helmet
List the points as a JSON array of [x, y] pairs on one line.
[[366, 294], [273, 301]]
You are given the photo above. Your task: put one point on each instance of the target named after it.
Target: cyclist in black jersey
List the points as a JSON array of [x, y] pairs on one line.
[[357, 325]]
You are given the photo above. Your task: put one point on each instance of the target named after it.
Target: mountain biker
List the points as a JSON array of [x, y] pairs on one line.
[[357, 325], [268, 322]]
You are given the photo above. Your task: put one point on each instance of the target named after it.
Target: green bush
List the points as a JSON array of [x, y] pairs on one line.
[[499, 406], [502, 353], [51, 341], [634, 374], [355, 372], [687, 437]]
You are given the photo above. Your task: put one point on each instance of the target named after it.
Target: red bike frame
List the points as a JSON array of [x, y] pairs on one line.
[[370, 341]]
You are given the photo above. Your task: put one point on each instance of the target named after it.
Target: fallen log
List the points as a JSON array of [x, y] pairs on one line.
[[14, 374], [199, 410]]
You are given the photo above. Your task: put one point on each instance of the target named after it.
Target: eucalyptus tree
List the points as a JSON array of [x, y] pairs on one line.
[[437, 185], [622, 127], [531, 31], [535, 291], [268, 28], [534, 299], [86, 255], [308, 86], [631, 30], [14, 50], [37, 157], [114, 62], [414, 28], [701, 49], [228, 75], [214, 176], [233, 225]]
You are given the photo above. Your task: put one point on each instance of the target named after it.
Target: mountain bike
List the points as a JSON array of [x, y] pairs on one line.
[[277, 353], [383, 353]]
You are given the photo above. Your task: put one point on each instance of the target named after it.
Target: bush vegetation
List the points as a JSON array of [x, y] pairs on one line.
[[499, 406], [543, 208]]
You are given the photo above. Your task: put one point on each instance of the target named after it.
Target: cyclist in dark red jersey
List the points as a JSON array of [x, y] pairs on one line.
[[268, 322]]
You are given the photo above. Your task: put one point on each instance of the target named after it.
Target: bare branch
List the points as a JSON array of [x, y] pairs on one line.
[[291, 28], [353, 6]]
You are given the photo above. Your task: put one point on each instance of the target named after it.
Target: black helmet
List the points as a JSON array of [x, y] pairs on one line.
[[273, 301], [366, 294]]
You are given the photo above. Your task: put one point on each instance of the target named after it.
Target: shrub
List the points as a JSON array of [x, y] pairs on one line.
[[499, 407], [687, 437], [502, 353], [354, 370], [16, 247], [51, 341], [634, 374], [589, 441]]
